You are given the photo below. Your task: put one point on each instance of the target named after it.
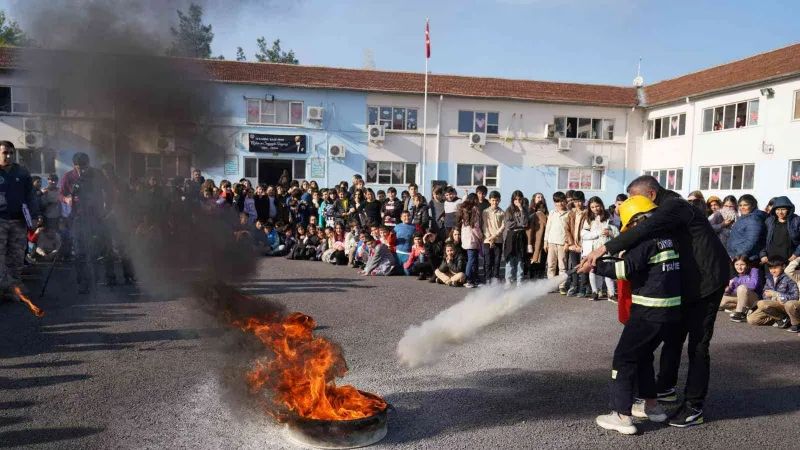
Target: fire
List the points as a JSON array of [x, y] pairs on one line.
[[301, 374], [36, 310]]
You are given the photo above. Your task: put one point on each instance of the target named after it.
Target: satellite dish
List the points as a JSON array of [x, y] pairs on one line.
[[638, 81]]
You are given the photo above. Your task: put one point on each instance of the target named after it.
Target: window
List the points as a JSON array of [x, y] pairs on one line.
[[299, 169], [29, 100], [584, 178], [669, 178], [38, 162], [392, 118], [664, 127], [794, 174], [476, 175], [734, 115], [796, 115], [278, 112], [251, 167], [384, 172], [733, 177], [478, 122], [584, 128], [145, 165]]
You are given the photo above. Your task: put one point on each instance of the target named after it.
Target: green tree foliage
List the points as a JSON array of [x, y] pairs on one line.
[[240, 54], [274, 54], [191, 38], [11, 33]]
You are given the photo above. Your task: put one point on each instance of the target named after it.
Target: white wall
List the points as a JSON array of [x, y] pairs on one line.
[[733, 146]]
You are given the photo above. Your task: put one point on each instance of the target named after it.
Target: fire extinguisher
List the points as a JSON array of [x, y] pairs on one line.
[[624, 298]]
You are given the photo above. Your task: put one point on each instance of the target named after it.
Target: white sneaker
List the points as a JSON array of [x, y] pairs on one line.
[[613, 421], [656, 414], [508, 285], [519, 284]]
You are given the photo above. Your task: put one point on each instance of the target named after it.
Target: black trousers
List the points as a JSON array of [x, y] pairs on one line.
[[633, 361], [697, 323], [424, 268], [491, 260]]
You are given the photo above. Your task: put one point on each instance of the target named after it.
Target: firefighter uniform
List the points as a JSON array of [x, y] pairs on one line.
[[653, 269]]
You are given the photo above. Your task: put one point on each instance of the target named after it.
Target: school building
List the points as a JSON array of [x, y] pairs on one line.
[[732, 129]]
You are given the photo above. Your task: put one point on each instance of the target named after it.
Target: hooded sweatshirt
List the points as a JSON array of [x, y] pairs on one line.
[[782, 238], [748, 235]]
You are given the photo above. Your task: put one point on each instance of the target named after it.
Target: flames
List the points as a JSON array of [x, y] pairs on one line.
[[36, 310], [300, 376]]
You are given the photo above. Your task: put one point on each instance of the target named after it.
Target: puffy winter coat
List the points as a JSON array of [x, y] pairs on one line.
[[792, 222], [748, 235]]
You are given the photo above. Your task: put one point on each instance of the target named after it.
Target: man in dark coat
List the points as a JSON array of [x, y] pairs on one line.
[[16, 191], [705, 270]]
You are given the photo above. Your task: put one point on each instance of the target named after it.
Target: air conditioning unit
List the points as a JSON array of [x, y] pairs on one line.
[[477, 139], [32, 124], [34, 139], [314, 113], [165, 144], [337, 151], [599, 161], [550, 130], [564, 144], [377, 133]]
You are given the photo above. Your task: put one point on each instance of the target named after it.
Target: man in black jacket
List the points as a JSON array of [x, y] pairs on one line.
[[705, 270]]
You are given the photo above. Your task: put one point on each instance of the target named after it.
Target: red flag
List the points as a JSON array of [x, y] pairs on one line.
[[427, 39]]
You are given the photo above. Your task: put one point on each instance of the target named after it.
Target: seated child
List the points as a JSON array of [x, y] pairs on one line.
[[743, 291], [351, 242], [242, 229], [779, 290], [289, 241], [434, 251], [452, 269], [653, 269], [300, 237], [259, 238], [273, 241], [389, 239], [361, 255], [49, 243], [792, 306], [418, 265], [381, 261], [323, 243], [310, 243]]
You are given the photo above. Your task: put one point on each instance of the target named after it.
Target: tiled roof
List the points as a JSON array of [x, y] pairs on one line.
[[776, 63], [398, 82]]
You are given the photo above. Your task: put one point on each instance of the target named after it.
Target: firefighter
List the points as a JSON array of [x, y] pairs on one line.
[[653, 270]]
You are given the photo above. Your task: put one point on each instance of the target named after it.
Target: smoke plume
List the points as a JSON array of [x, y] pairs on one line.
[[457, 325]]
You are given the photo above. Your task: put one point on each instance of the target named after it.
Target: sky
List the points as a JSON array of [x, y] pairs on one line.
[[582, 41]]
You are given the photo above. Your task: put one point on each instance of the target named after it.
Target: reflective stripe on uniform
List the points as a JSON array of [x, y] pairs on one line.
[[656, 302], [619, 268], [663, 256]]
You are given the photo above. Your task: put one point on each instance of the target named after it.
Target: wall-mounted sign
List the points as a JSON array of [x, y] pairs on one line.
[[317, 168], [277, 143], [231, 165]]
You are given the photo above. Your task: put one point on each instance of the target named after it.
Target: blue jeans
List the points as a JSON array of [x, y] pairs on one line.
[[472, 265], [514, 268]]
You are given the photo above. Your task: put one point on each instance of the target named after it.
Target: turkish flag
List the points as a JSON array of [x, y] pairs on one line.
[[427, 40]]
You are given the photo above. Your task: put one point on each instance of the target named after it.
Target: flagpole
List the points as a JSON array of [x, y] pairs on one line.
[[425, 112]]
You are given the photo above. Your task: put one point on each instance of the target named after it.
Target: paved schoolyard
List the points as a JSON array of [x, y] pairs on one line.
[[125, 370]]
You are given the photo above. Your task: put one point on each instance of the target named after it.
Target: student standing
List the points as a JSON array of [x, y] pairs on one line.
[[493, 220], [555, 238], [515, 240], [572, 232]]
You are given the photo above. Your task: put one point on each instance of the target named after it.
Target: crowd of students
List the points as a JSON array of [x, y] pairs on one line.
[[474, 240]]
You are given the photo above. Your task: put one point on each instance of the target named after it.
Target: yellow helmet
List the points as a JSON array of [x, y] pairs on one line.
[[637, 204]]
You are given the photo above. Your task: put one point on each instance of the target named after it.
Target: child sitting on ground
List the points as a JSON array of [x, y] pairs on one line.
[[743, 291], [653, 269], [389, 239], [792, 306], [381, 262], [289, 241], [49, 243], [452, 269], [779, 290], [362, 251], [300, 238], [273, 241], [417, 264], [351, 242], [323, 243]]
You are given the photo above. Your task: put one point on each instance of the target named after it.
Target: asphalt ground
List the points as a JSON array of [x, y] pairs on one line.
[[125, 370]]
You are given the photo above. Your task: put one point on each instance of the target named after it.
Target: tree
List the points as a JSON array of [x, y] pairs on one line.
[[240, 54], [11, 33], [191, 39], [275, 54]]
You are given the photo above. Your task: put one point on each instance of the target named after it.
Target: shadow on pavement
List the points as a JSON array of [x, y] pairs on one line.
[[311, 285], [42, 365], [7, 421], [493, 398], [16, 405], [34, 382], [10, 439]]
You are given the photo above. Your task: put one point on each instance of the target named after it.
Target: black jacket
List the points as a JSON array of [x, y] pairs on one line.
[[705, 266], [456, 265], [654, 270]]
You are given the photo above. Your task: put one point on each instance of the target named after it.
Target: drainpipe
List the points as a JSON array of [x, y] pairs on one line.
[[690, 172], [438, 136], [627, 144]]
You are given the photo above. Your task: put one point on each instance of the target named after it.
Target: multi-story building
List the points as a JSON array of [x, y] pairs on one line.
[[728, 129]]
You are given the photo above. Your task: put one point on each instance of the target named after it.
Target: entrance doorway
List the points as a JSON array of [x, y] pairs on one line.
[[270, 170]]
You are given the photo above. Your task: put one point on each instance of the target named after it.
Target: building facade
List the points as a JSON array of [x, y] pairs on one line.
[[730, 129]]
